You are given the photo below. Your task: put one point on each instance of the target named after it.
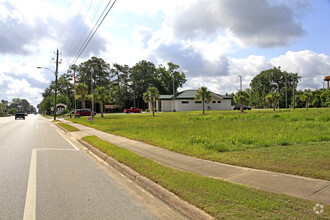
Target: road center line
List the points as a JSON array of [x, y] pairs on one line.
[[30, 202]]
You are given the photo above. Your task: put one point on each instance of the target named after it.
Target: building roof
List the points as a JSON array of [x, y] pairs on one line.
[[188, 94]]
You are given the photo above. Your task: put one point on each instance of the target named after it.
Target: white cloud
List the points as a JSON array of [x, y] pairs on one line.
[[310, 65], [255, 22]]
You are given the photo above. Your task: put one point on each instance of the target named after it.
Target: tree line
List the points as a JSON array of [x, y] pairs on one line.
[[15, 105], [123, 86], [278, 89], [119, 85]]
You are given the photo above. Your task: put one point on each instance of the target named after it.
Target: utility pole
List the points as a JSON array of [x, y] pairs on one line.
[[56, 72]]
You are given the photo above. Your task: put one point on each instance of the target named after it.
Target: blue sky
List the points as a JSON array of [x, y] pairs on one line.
[[213, 41]]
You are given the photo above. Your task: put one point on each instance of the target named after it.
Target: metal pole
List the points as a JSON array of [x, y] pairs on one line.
[[286, 93], [240, 82], [293, 93], [92, 71], [74, 90], [173, 96]]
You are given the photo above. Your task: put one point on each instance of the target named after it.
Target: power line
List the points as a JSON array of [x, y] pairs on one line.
[[83, 36], [74, 23], [90, 36], [63, 24], [78, 33]]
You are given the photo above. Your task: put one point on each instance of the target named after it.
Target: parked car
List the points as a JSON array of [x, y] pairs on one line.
[[83, 112], [238, 107], [133, 110], [20, 115]]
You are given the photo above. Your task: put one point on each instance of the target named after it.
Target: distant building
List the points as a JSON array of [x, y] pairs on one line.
[[60, 108], [185, 101]]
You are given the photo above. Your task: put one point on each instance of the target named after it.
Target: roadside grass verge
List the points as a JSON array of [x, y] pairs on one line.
[[230, 137], [311, 160], [221, 199], [68, 127]]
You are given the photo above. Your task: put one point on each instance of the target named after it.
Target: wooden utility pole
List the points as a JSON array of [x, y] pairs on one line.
[[56, 72]]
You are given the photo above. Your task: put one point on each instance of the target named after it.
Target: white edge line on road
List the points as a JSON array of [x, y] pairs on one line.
[[66, 139], [30, 202]]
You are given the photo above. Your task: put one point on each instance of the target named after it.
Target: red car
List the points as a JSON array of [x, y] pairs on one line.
[[84, 112], [133, 110]]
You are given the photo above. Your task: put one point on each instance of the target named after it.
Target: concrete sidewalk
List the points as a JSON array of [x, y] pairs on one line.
[[297, 186]]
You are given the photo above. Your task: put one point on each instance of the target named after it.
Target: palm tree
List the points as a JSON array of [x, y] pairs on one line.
[[82, 91], [241, 97], [273, 98], [150, 96], [101, 95], [204, 95], [307, 97]]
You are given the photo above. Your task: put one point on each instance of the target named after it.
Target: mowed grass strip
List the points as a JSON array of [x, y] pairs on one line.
[[67, 127], [294, 142], [221, 199]]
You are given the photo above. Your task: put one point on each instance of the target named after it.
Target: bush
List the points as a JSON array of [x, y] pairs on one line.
[[12, 111]]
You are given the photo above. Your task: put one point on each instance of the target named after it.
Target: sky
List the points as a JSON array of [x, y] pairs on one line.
[[213, 41]]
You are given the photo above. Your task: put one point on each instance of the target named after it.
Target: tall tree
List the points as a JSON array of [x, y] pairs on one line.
[[82, 91], [307, 97], [168, 80], [325, 97], [102, 95], [242, 98], [120, 85], [204, 95], [273, 80], [142, 77], [273, 98], [96, 67], [150, 96]]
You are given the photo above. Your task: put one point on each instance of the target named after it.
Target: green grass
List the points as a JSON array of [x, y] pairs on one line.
[[231, 137], [68, 127], [221, 199]]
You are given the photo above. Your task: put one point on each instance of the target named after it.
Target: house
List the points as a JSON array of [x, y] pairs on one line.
[[185, 101]]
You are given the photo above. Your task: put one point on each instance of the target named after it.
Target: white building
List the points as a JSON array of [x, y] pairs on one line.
[[185, 101]]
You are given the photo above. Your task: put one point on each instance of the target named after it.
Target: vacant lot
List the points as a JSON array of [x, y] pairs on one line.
[[221, 199], [296, 142]]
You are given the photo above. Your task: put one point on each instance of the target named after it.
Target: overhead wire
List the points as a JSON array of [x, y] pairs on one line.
[[87, 27], [73, 25], [78, 33], [93, 31], [63, 24], [90, 33]]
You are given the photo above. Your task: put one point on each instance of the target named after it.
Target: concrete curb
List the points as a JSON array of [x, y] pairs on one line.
[[63, 129], [168, 197]]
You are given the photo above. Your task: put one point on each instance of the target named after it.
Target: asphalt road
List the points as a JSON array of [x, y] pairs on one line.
[[44, 176]]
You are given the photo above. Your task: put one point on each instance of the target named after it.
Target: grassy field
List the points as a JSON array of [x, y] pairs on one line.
[[293, 141], [221, 199]]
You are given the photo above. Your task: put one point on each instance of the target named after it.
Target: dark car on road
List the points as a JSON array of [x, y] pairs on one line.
[[238, 107], [20, 115]]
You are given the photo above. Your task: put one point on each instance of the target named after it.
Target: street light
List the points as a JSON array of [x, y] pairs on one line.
[[39, 67], [240, 82]]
